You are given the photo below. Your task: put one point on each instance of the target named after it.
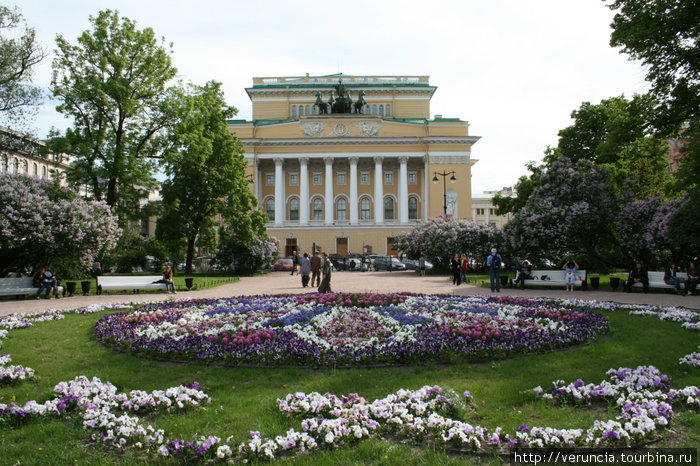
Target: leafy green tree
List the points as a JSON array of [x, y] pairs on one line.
[[113, 83], [205, 171], [664, 35], [19, 52]]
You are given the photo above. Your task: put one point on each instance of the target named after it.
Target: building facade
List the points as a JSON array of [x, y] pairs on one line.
[[349, 181], [483, 210], [25, 155]]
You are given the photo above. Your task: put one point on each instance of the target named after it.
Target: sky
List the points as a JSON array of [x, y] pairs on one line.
[[515, 70]]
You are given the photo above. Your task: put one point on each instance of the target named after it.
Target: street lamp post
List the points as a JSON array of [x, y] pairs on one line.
[[444, 186]]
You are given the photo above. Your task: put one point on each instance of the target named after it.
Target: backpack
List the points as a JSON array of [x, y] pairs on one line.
[[495, 262]]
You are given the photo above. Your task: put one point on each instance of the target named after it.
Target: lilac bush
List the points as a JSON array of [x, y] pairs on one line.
[[441, 237], [41, 222], [643, 227]]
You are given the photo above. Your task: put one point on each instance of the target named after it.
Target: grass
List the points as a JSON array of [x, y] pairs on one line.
[[243, 399]]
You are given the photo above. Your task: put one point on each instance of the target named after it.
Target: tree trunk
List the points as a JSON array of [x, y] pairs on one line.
[[190, 255]]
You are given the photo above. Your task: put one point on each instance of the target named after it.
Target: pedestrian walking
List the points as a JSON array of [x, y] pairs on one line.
[[494, 262], [315, 270], [305, 269], [326, 269]]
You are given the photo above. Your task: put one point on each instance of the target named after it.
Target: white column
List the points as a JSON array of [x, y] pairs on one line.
[[487, 215], [279, 192], [329, 190], [474, 214], [378, 190], [425, 189], [354, 217], [403, 189], [303, 190]]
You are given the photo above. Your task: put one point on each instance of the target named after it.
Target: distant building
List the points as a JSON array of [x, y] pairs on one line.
[[483, 210], [20, 153], [349, 181]]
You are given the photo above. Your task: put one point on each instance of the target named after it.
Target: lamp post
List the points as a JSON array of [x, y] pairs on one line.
[[444, 186]]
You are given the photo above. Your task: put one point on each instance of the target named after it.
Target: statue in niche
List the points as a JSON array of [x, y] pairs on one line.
[[322, 106]]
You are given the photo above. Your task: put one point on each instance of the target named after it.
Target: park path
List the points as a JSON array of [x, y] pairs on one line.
[[284, 283]]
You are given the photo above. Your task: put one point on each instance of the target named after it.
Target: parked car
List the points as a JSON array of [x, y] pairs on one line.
[[383, 263], [412, 264], [285, 265], [356, 264]]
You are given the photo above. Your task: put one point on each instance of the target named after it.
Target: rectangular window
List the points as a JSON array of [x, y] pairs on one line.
[[270, 179], [364, 178], [492, 211], [412, 178], [479, 211], [293, 179], [318, 178], [341, 178], [388, 177]]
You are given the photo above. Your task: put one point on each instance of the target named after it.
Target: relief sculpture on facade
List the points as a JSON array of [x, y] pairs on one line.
[[369, 128], [313, 129]]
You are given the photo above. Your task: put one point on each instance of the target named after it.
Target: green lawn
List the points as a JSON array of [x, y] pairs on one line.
[[243, 399]]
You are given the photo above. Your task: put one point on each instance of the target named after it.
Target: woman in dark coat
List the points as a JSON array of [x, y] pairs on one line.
[[456, 269], [325, 286]]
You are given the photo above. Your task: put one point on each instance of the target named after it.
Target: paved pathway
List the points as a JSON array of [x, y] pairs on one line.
[[282, 283]]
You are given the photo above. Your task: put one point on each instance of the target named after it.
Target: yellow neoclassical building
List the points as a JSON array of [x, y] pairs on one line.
[[348, 162]]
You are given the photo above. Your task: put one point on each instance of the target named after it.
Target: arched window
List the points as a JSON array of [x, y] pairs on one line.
[[315, 109], [412, 208], [388, 110], [35, 169], [301, 110], [43, 172], [15, 165], [381, 109], [317, 209], [294, 209], [388, 208], [270, 208], [365, 206], [374, 109], [294, 111], [341, 209], [308, 110], [3, 161], [25, 167]]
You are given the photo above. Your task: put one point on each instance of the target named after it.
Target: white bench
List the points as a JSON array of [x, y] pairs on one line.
[[553, 278], [129, 282], [19, 286], [656, 280]]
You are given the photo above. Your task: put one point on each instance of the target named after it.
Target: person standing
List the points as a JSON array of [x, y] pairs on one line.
[[638, 275], [570, 274], [295, 262], [494, 262], [326, 268], [463, 267], [305, 269], [315, 270], [456, 269], [421, 264]]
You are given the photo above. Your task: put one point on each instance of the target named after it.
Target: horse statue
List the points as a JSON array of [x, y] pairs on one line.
[[348, 103], [330, 103], [322, 106], [360, 102]]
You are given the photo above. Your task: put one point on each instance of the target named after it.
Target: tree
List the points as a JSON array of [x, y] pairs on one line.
[[443, 236], [19, 52], [41, 222], [205, 171], [664, 35], [113, 84], [571, 211]]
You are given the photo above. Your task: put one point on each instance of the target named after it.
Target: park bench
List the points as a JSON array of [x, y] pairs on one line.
[[553, 278], [656, 280], [19, 286], [129, 282]]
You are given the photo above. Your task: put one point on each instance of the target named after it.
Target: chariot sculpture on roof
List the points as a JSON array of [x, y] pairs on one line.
[[342, 103]]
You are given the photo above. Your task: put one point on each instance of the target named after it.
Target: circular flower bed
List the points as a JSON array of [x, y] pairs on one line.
[[346, 329]]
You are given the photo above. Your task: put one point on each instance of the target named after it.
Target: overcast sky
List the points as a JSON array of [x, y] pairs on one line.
[[514, 69]]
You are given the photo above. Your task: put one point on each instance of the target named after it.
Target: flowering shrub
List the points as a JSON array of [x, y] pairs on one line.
[[330, 329], [40, 221], [441, 237]]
